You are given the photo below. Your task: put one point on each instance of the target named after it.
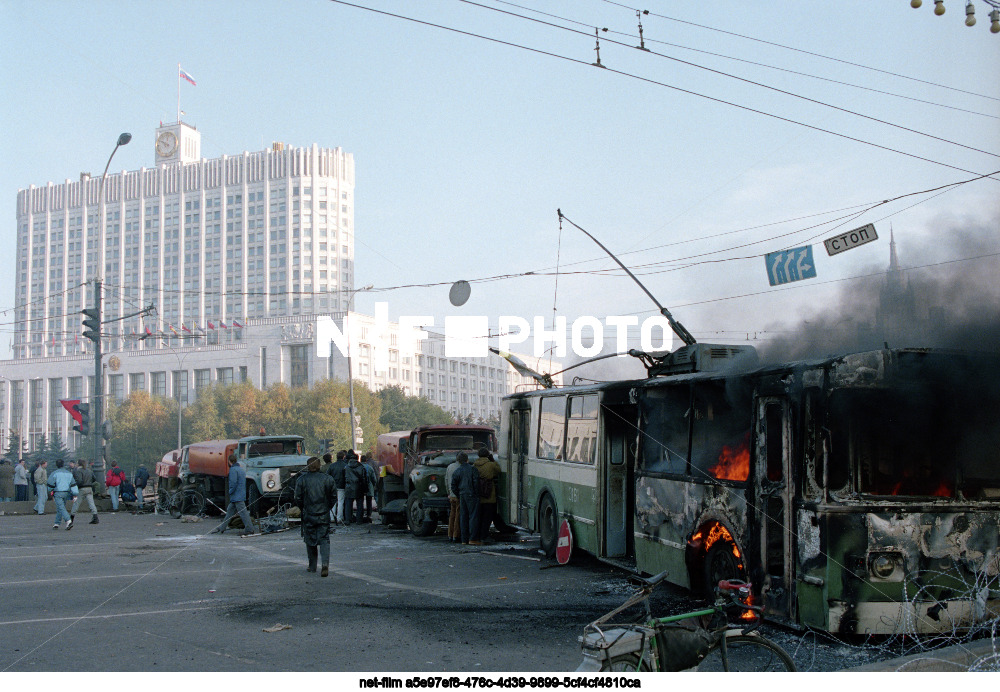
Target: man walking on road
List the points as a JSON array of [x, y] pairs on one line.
[[63, 486], [237, 499], [464, 483], [85, 483], [315, 495], [41, 479]]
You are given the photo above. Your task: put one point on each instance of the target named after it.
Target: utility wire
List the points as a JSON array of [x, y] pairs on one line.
[[742, 79], [653, 82], [759, 64], [806, 52]]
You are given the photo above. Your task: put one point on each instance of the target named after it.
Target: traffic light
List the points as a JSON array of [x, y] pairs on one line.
[[92, 325], [82, 417]]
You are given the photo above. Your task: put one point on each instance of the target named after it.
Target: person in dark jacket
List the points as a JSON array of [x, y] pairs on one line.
[[370, 484], [237, 499], [140, 481], [336, 470], [315, 495], [464, 484], [489, 470], [354, 488]]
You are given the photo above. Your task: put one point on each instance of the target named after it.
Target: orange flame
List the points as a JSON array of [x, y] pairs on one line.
[[734, 462]]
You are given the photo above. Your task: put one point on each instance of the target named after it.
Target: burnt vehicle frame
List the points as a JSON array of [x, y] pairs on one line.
[[792, 476]]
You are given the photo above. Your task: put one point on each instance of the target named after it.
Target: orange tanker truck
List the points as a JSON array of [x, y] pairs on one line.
[[272, 464]]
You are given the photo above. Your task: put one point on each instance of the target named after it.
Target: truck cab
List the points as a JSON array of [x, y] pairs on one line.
[[412, 468]]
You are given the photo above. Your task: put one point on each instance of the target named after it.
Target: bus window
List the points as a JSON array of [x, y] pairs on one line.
[[665, 429], [581, 429], [908, 446], [720, 437], [551, 427]]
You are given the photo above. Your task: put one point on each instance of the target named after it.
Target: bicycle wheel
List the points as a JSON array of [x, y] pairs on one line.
[[192, 502], [746, 653], [627, 663]]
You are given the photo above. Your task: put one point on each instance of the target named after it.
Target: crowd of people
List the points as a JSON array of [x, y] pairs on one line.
[[334, 490], [66, 481], [340, 490]]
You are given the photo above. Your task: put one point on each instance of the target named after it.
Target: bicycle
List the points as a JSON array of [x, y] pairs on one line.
[[180, 502], [703, 640]]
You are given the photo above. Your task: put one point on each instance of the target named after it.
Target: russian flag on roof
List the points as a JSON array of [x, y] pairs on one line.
[[185, 75]]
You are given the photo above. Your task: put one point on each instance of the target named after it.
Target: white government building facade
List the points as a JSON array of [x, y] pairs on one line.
[[240, 255]]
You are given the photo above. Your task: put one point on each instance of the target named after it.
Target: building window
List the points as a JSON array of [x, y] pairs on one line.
[[243, 373], [116, 387], [263, 367], [158, 380], [202, 379], [298, 357], [224, 376], [181, 386]]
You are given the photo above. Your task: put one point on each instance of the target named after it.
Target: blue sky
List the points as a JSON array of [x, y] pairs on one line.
[[465, 147]]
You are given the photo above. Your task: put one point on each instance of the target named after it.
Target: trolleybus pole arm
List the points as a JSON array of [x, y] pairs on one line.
[[678, 328]]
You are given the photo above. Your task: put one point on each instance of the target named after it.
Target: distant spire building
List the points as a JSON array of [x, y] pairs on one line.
[[897, 307]]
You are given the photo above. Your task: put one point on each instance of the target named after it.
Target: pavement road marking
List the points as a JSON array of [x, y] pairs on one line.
[[105, 616]]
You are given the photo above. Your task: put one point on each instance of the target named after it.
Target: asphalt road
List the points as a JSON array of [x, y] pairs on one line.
[[152, 593], [156, 590]]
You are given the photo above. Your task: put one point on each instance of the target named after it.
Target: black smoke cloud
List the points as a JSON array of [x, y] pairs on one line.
[[952, 305]]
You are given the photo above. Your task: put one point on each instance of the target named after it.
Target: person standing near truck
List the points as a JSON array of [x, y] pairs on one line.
[[489, 471], [464, 483], [315, 496], [336, 470], [371, 481], [140, 482], [237, 499], [355, 480], [454, 521]]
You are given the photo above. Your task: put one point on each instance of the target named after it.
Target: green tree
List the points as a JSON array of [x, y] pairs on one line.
[[202, 420], [401, 411], [56, 449], [240, 409], [145, 428], [17, 447]]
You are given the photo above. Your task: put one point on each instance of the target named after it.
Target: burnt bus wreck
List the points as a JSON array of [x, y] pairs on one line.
[[858, 493]]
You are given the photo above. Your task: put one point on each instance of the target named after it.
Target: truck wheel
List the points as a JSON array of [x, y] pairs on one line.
[[253, 501], [720, 563], [548, 528], [420, 526]]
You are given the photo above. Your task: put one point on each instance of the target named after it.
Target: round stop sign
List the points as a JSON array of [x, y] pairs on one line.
[[564, 544]]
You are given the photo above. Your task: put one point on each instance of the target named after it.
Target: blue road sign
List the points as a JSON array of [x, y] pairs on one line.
[[790, 265]]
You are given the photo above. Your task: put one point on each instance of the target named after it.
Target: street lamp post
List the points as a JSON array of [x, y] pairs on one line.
[[350, 372], [98, 427]]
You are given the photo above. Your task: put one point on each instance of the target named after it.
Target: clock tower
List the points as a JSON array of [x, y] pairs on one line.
[[177, 142]]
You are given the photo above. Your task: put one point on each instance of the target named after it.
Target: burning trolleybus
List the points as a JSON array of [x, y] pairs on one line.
[[858, 493]]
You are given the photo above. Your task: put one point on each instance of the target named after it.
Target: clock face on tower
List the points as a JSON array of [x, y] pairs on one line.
[[166, 144]]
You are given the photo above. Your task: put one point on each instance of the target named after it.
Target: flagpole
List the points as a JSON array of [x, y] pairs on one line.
[[178, 93]]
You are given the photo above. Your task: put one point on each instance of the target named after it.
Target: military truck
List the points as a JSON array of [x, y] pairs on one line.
[[272, 463], [412, 466]]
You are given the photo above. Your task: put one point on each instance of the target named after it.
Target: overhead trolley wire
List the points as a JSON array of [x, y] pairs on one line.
[[761, 64], [655, 82], [743, 79], [807, 52]]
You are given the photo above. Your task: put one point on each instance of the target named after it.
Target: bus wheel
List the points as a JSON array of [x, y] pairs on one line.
[[548, 529], [721, 563]]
